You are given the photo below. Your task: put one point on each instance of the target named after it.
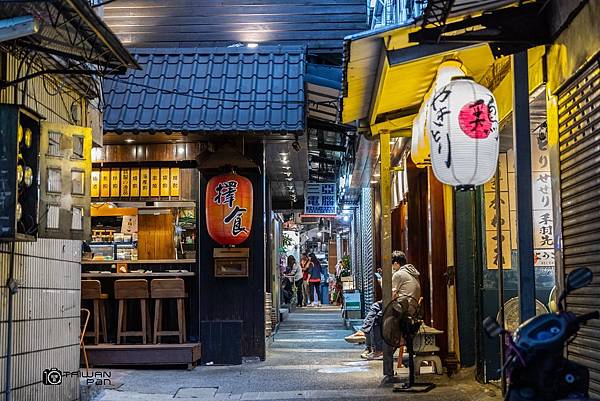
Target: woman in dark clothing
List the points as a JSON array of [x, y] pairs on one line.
[[314, 279], [295, 274]]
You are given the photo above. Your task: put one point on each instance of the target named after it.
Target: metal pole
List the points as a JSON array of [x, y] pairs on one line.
[[386, 239], [500, 273], [522, 146]]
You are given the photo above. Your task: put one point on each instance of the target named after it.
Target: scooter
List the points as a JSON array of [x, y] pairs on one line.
[[535, 367]]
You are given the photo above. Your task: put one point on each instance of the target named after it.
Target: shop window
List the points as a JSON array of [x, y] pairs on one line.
[[78, 147], [77, 219], [77, 182], [53, 217], [54, 180], [54, 139]]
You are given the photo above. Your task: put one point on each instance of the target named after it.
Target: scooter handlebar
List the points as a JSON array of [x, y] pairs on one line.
[[588, 316]]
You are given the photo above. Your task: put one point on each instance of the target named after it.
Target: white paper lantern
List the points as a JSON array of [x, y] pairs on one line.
[[419, 147], [463, 133]]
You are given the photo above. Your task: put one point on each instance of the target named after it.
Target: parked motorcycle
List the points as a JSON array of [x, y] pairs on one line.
[[535, 366]]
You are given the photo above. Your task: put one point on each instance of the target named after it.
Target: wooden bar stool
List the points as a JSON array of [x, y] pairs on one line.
[[132, 290], [165, 289], [91, 291]]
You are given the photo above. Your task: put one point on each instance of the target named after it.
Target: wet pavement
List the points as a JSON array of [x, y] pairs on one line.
[[308, 359]]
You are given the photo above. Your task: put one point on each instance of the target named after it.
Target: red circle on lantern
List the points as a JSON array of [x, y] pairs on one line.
[[229, 202], [474, 120]]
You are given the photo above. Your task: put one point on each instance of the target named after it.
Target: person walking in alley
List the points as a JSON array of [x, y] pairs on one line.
[[314, 280], [295, 274], [304, 264]]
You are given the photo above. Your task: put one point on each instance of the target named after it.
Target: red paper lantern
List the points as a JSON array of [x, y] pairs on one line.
[[229, 202]]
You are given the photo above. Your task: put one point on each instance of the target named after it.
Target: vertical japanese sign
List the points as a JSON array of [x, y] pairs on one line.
[[164, 182], [175, 182], [229, 202], [493, 219], [543, 223], [105, 184], [154, 182], [95, 185], [115, 183], [125, 182], [145, 182], [320, 198], [135, 182]]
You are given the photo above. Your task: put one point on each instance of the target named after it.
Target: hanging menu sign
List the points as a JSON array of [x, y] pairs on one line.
[[105, 183], [114, 183], [155, 182], [320, 199], [164, 182], [135, 182], [175, 181], [95, 184], [145, 183], [125, 182]]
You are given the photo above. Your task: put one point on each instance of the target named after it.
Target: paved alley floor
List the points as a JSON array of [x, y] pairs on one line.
[[308, 359]]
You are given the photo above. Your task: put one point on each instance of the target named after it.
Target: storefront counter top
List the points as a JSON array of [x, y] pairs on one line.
[[139, 262], [137, 275]]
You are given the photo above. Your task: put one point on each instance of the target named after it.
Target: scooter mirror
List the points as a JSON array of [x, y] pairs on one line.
[[491, 327], [579, 278]]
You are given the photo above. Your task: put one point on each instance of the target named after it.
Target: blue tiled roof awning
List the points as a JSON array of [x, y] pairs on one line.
[[209, 90]]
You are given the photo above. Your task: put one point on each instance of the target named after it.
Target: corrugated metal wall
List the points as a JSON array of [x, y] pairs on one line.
[[46, 317], [46, 307], [366, 209], [579, 135]]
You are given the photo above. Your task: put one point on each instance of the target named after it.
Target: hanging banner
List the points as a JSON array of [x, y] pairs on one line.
[[145, 183], [95, 184], [154, 182], [175, 181], [164, 182], [135, 182], [320, 198], [105, 183], [229, 203], [125, 182], [114, 183]]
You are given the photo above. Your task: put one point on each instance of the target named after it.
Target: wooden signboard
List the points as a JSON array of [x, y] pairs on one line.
[[145, 182], [114, 183], [155, 182], [125, 182], [134, 178], [164, 182], [105, 184], [95, 184], [175, 182]]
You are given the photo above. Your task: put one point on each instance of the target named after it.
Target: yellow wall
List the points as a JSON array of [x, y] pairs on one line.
[[577, 44]]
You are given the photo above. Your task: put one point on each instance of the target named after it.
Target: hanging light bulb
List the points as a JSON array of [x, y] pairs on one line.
[[28, 137], [28, 176], [19, 173], [18, 211]]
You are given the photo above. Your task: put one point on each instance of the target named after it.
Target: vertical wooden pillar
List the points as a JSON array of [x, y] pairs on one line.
[[386, 238]]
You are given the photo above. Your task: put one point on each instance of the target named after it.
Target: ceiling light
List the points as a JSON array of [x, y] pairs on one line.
[[376, 175], [346, 218], [287, 173], [252, 45], [290, 178], [129, 140], [287, 167], [373, 182], [285, 161], [319, 234]]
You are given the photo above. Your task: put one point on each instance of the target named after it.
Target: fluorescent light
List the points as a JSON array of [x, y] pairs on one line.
[[252, 45], [319, 234], [346, 218], [285, 161], [129, 140]]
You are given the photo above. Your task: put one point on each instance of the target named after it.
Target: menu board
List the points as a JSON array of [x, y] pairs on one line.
[[136, 183]]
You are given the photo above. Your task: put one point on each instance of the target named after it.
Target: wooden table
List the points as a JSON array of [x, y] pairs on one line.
[[137, 275]]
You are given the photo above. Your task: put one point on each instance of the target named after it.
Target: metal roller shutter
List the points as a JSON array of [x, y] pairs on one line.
[[366, 219], [579, 147]]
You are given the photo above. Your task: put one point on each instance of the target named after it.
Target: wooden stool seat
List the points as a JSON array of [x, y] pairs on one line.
[[91, 291], [165, 289], [132, 290]]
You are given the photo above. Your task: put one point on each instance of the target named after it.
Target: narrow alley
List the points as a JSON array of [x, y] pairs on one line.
[[308, 359]]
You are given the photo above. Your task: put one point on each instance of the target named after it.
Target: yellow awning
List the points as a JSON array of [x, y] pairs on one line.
[[386, 77]]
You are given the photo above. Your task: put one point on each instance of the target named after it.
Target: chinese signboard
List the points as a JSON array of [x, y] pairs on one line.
[[320, 198], [229, 203]]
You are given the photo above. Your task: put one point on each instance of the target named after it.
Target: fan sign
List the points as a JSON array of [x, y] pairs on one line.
[[229, 202], [463, 133]]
